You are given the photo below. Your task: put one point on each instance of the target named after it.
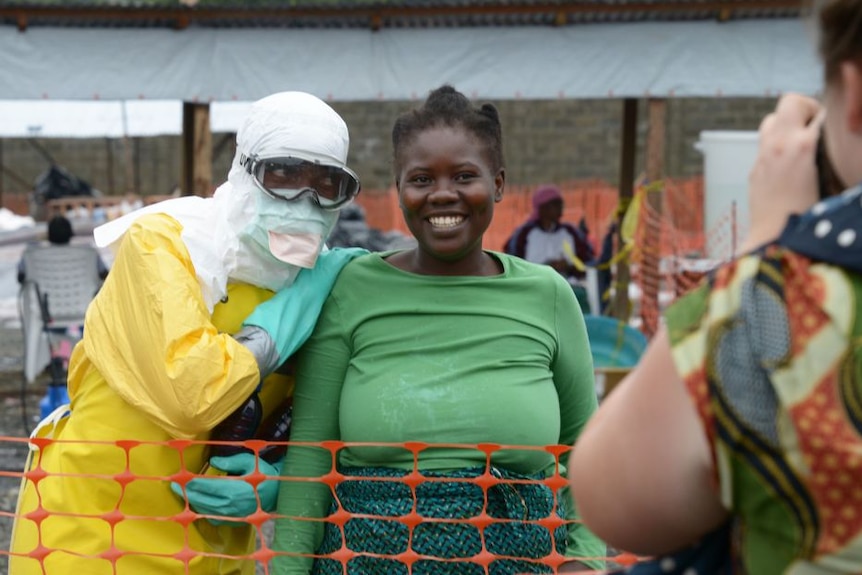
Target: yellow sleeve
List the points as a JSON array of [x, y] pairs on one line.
[[149, 333], [228, 316]]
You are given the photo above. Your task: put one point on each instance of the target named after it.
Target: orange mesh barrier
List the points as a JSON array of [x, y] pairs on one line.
[[671, 254], [593, 200], [264, 552]]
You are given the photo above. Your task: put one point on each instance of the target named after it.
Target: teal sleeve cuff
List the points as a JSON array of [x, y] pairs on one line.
[[290, 315]]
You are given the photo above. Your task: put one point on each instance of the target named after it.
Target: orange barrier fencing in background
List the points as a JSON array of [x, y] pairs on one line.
[[114, 517], [671, 253], [593, 200]]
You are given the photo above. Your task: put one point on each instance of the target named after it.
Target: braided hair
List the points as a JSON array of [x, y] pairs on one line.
[[448, 107]]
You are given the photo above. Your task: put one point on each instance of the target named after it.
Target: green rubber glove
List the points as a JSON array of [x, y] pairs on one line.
[[230, 496], [289, 316]]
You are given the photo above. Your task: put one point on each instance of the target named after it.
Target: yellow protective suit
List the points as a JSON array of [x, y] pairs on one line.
[[154, 365]]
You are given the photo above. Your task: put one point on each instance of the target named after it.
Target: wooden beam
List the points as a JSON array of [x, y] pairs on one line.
[[628, 148], [651, 248], [203, 152], [128, 168], [620, 307], [2, 174], [136, 163], [197, 150], [655, 140], [187, 164], [183, 17], [109, 166]]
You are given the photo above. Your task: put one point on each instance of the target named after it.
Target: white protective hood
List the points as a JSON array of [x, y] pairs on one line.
[[227, 235]]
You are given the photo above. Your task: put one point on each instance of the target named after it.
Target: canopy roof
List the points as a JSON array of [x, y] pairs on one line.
[[399, 50]]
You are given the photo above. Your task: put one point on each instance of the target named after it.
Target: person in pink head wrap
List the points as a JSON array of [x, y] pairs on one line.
[[542, 237], [545, 195]]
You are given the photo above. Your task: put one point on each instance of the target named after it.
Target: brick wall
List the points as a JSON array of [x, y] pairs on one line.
[[563, 140], [555, 140]]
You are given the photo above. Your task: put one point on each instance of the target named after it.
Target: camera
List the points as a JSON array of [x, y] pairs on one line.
[[828, 182]]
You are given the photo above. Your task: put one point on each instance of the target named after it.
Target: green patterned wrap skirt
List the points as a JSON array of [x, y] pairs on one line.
[[446, 547]]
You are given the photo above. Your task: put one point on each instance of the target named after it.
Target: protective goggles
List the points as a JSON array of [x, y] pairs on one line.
[[288, 178]]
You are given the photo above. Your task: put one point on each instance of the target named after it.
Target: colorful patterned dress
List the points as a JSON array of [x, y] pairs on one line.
[[769, 350]]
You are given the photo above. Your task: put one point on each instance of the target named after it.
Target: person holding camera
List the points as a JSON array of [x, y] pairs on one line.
[[737, 440]]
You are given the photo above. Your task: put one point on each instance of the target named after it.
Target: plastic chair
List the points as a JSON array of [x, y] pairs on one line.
[[59, 285]]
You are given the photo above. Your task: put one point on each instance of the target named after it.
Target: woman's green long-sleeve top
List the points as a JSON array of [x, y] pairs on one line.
[[399, 357]]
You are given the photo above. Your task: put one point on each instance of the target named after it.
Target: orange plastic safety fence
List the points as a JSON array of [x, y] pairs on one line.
[[36, 477], [593, 200], [672, 254]]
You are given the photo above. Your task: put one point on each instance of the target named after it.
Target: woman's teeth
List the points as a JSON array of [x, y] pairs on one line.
[[446, 221]]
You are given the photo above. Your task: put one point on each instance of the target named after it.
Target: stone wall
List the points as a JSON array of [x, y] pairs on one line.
[[554, 140]]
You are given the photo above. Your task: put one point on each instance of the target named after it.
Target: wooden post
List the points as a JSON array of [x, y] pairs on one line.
[[655, 140], [620, 307], [2, 174], [733, 224], [651, 248], [109, 161], [128, 168], [187, 176], [197, 150], [136, 165]]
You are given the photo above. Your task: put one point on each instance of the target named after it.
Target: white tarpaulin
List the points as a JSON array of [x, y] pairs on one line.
[[737, 58], [100, 119]]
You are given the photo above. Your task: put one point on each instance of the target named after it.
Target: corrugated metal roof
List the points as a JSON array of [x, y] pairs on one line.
[[379, 13]]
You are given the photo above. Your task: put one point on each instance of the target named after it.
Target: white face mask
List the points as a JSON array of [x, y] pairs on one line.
[[266, 241], [292, 232]]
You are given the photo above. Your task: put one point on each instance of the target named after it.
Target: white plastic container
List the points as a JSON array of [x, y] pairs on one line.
[[728, 157]]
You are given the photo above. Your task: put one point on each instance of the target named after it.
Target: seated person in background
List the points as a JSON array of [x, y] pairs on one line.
[[542, 239], [741, 428], [59, 234]]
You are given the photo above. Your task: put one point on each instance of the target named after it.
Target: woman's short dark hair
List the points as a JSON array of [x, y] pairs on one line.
[[446, 106]]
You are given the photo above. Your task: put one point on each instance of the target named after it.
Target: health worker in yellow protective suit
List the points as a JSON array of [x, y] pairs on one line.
[[185, 332]]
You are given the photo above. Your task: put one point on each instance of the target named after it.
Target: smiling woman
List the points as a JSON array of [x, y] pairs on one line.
[[445, 343], [447, 189]]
